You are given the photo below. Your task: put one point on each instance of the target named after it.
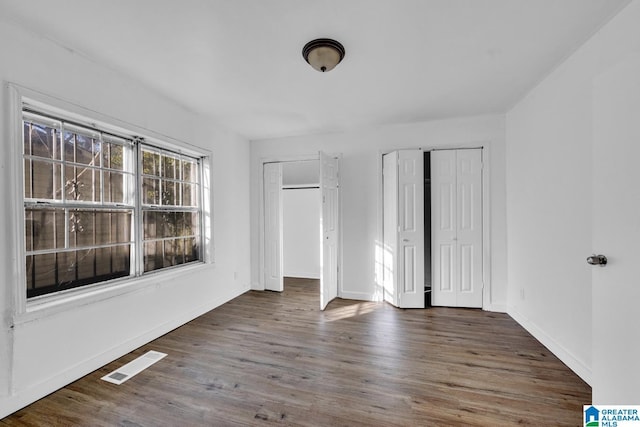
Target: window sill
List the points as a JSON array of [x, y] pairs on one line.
[[42, 307]]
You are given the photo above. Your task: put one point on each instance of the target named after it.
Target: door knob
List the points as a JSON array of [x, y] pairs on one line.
[[600, 260]]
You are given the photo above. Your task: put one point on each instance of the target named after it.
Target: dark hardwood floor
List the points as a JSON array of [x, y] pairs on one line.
[[269, 358]]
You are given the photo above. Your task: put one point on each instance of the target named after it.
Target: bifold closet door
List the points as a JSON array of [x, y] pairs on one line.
[[330, 223], [273, 265], [403, 194], [456, 226]]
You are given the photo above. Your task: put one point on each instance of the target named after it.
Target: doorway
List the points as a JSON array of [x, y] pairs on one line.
[[301, 213], [433, 228], [300, 233]]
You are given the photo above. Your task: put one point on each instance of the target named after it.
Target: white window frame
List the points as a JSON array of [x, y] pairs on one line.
[[26, 310]]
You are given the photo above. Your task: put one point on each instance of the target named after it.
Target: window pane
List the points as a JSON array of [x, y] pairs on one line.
[[169, 253], [43, 270], [169, 193], [29, 271], [28, 185], [169, 224], [189, 169], [190, 195], [150, 163], [44, 229], [46, 181], [152, 256], [43, 141], [149, 225], [115, 187], [70, 146], [169, 164], [190, 250], [191, 224], [87, 150], [112, 227], [122, 259], [86, 264], [112, 156], [82, 184], [151, 191], [103, 261], [98, 227], [80, 228], [26, 137]]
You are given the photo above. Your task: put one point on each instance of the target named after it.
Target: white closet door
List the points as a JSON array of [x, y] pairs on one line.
[[390, 226], [469, 226], [456, 198], [403, 228], [443, 228], [410, 229], [329, 186], [273, 278]]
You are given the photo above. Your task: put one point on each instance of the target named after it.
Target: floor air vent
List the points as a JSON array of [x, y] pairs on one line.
[[134, 367]]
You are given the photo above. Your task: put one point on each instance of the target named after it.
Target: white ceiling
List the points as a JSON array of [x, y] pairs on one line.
[[239, 61]]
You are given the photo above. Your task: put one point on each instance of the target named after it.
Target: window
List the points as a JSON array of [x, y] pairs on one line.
[[100, 206], [170, 212]]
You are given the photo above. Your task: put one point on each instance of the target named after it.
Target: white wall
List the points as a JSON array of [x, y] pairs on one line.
[[301, 232], [359, 187], [549, 196], [303, 173], [40, 354]]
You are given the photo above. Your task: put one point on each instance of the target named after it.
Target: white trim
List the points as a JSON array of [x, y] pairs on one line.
[[15, 243], [496, 308], [486, 207], [302, 275], [574, 363], [359, 296]]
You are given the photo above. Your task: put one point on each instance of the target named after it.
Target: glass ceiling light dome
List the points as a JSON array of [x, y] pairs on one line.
[[323, 54]]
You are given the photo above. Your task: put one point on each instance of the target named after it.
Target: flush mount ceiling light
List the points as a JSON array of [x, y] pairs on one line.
[[323, 54]]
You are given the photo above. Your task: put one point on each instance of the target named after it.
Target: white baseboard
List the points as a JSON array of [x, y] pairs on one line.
[[360, 296], [302, 274], [496, 308], [575, 364], [12, 403]]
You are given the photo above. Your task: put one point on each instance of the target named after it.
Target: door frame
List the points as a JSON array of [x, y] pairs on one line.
[[487, 300], [289, 159]]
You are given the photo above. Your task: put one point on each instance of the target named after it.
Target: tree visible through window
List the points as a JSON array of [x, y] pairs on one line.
[[81, 202]]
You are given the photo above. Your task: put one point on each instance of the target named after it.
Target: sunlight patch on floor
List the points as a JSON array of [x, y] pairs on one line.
[[353, 310]]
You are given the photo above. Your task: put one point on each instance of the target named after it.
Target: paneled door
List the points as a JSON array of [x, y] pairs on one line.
[[456, 224], [403, 228], [330, 227], [273, 256], [390, 227]]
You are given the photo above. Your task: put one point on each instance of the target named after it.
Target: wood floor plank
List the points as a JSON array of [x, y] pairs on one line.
[[275, 358]]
